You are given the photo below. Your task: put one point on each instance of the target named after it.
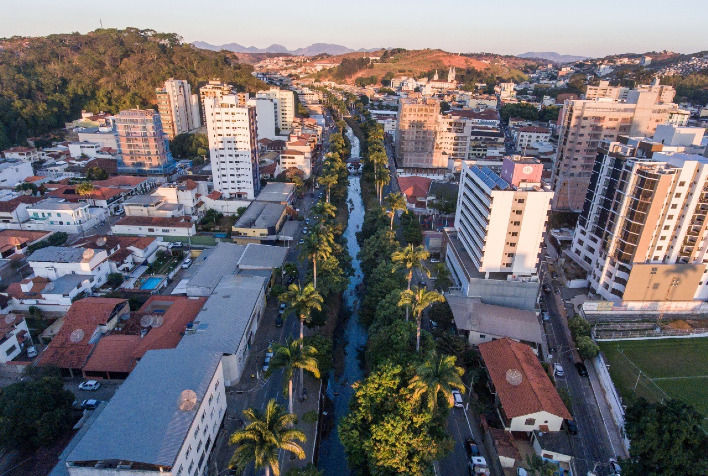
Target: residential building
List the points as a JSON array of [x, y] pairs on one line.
[[295, 159], [284, 107], [14, 210], [604, 90], [16, 241], [85, 149], [525, 136], [14, 336], [185, 194], [155, 226], [13, 172], [26, 154], [260, 223], [265, 116], [585, 123], [178, 107], [142, 142], [233, 147], [151, 206], [105, 136], [479, 322], [416, 190], [81, 327], [526, 398], [125, 253], [640, 235], [53, 262], [56, 214], [213, 89], [500, 223], [416, 134]]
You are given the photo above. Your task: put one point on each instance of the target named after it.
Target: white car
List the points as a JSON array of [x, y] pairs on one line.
[[31, 352], [89, 385], [558, 370], [187, 263], [457, 398]]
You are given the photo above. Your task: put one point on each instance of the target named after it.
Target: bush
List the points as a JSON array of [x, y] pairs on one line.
[[579, 326], [310, 417], [114, 279], [587, 347]]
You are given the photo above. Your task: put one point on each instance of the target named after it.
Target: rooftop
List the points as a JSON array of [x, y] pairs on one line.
[[278, 192], [172, 222], [61, 254], [473, 315], [261, 215], [262, 256], [8, 206], [142, 422], [57, 204], [222, 260], [535, 392], [144, 200]]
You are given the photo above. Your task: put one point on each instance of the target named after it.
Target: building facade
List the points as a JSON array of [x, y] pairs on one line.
[[213, 89], [643, 227], [416, 138], [142, 142], [233, 147], [178, 107], [284, 107]]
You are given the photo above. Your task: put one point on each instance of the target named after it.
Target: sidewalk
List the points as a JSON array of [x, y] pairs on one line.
[[613, 432]]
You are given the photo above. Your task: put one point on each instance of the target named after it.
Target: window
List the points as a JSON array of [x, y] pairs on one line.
[[186, 454], [530, 421], [199, 446], [196, 432], [11, 350], [191, 465], [179, 471], [483, 336], [203, 415]]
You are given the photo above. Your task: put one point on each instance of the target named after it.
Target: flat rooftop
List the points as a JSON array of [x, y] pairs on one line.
[[259, 215], [276, 192]]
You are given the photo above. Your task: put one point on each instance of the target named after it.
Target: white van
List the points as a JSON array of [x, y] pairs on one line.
[[458, 398]]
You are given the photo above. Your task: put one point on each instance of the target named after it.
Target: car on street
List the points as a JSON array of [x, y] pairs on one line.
[[558, 370], [89, 385], [471, 447], [546, 316], [187, 263], [615, 468], [281, 310], [307, 221], [90, 404], [279, 321], [457, 398], [571, 427], [266, 363], [478, 465], [546, 288], [301, 241], [178, 244], [582, 369]]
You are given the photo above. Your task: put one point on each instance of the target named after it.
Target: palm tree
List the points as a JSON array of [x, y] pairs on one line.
[[410, 258], [324, 209], [437, 375], [395, 202], [293, 355], [302, 301], [328, 181], [266, 434], [443, 281], [382, 176], [318, 246], [419, 299]]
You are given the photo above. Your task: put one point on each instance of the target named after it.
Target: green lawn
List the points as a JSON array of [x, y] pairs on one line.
[[674, 367]]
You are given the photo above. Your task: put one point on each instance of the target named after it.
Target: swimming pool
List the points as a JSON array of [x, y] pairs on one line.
[[151, 283]]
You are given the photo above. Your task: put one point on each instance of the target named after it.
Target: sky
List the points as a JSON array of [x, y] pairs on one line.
[[579, 27]]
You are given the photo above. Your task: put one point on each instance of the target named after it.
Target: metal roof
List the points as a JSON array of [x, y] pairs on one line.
[[490, 179], [222, 261], [58, 254], [262, 256], [142, 422]]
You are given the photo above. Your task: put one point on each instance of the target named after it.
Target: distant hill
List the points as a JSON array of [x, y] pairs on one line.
[[312, 50], [552, 56]]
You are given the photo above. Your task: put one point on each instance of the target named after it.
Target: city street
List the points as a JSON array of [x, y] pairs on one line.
[[593, 445]]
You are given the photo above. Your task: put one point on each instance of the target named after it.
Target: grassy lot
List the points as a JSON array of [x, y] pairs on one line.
[[676, 368]]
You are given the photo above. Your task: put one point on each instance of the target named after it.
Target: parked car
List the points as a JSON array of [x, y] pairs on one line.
[[558, 370], [546, 316], [266, 363], [187, 263], [546, 288], [31, 352], [89, 385], [478, 465], [281, 311], [278, 321], [307, 221], [471, 447], [615, 468], [582, 370], [301, 241], [571, 426], [178, 244], [90, 404], [458, 398]]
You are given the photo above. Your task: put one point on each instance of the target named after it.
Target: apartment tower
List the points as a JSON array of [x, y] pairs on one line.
[[233, 147], [284, 107], [416, 138], [142, 142], [584, 124], [178, 108], [213, 89]]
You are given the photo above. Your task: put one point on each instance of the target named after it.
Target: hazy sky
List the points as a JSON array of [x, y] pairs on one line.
[[583, 27]]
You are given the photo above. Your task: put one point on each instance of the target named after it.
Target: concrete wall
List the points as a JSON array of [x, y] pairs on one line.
[[553, 422]]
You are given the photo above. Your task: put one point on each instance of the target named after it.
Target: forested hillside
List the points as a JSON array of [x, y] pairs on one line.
[[47, 81]]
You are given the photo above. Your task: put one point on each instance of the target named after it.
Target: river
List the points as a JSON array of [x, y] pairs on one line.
[[332, 459]]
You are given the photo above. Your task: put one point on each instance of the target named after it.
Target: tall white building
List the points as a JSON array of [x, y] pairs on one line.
[[178, 107], [233, 147], [265, 116], [284, 107], [500, 222]]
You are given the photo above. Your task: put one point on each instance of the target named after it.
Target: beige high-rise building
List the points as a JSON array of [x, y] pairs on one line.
[[178, 107], [142, 142], [584, 124], [213, 89], [416, 138], [642, 233], [284, 101]]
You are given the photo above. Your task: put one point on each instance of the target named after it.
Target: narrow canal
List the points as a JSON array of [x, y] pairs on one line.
[[332, 459]]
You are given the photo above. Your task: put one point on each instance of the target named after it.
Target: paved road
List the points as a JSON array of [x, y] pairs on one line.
[[592, 445]]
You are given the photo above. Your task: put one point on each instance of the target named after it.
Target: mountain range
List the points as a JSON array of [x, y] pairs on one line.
[[312, 50], [552, 56]]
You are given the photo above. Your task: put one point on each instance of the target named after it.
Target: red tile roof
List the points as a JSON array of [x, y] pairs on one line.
[[535, 392], [291, 152], [86, 314], [215, 195], [414, 187], [11, 205], [113, 354], [38, 284]]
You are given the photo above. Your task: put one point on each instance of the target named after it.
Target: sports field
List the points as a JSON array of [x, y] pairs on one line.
[[661, 368]]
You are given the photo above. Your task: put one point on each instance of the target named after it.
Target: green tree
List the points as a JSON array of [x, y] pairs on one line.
[[328, 181], [587, 347], [419, 299], [302, 302], [442, 275], [324, 209], [114, 279], [96, 173], [266, 434], [309, 470], [666, 438], [394, 202], [85, 188], [34, 413], [317, 246], [437, 377], [540, 467], [410, 259], [293, 355], [579, 326]]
